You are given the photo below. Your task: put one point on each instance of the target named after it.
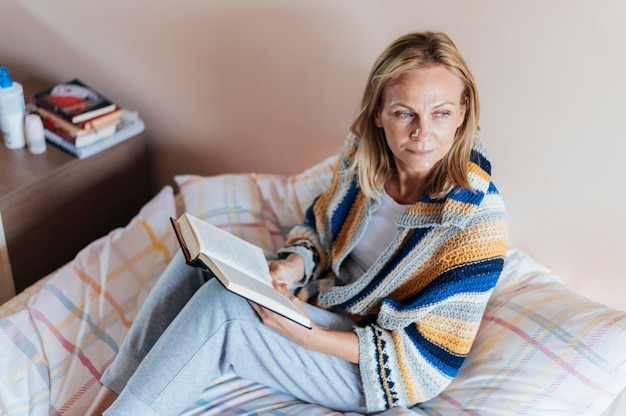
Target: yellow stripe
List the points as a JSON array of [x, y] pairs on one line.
[[156, 242], [458, 250], [28, 407], [349, 227], [492, 345], [414, 394], [23, 369], [453, 334], [477, 170], [99, 291]]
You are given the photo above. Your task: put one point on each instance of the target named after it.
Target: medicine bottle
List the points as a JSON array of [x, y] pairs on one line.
[[11, 111], [33, 132]]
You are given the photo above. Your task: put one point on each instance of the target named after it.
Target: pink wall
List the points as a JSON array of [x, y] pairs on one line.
[[272, 86]]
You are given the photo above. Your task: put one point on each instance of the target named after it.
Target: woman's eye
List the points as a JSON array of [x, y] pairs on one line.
[[442, 114], [404, 114]]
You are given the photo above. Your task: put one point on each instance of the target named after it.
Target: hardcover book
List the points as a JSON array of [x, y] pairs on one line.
[[74, 101], [239, 265], [95, 123], [129, 126], [80, 139]]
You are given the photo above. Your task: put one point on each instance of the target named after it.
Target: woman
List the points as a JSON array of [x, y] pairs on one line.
[[394, 264]]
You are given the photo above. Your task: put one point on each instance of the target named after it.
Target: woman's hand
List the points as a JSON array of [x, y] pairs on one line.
[[287, 271], [295, 332], [342, 344]]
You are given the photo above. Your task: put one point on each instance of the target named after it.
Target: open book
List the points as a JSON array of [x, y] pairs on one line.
[[239, 265]]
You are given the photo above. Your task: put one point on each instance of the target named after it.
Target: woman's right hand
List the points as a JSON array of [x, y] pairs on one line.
[[287, 271]]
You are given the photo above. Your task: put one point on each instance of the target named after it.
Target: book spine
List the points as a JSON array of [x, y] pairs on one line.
[[78, 140], [58, 130], [60, 142], [59, 121]]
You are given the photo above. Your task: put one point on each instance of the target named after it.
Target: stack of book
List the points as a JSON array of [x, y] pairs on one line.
[[76, 117]]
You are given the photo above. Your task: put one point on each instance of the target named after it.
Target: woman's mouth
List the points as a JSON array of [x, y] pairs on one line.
[[420, 152]]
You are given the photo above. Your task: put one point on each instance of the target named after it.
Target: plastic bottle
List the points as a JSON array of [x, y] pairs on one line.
[[11, 111], [33, 130]]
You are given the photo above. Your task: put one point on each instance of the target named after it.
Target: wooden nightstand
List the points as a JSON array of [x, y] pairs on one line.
[[53, 204]]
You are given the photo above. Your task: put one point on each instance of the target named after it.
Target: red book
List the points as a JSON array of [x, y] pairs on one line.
[[74, 101], [84, 126], [83, 139]]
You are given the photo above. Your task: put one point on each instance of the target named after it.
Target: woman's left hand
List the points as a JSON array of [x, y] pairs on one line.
[[295, 332], [342, 344]]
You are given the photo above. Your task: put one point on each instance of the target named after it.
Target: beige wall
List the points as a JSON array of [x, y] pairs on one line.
[[272, 86]]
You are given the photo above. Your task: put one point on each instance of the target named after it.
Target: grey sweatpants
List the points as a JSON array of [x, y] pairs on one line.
[[190, 331]]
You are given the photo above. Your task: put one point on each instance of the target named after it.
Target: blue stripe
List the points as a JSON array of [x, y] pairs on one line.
[[384, 372], [479, 276], [381, 278], [440, 358], [342, 211], [83, 316], [478, 158], [24, 344], [466, 196], [309, 216]]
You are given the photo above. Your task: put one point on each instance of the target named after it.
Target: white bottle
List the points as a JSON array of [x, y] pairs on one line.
[[11, 111], [33, 130]]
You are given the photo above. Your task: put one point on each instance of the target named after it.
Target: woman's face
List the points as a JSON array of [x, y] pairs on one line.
[[428, 99]]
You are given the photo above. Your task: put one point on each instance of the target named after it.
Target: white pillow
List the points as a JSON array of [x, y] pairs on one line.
[[618, 407], [234, 203], [288, 197], [85, 309], [259, 208], [542, 349]]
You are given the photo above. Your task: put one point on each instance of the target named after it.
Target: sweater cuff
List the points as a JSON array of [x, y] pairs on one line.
[[309, 265]]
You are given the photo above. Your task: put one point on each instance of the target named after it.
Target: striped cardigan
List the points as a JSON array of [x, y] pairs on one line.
[[419, 305]]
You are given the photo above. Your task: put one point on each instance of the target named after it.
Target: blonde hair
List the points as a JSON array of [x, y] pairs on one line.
[[373, 159]]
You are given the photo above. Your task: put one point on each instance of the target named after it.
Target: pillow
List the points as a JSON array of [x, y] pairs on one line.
[[232, 202], [259, 208], [542, 349], [288, 197], [618, 407], [20, 301], [85, 309]]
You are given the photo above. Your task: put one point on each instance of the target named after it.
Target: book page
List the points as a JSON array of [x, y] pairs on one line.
[[231, 250], [259, 292]]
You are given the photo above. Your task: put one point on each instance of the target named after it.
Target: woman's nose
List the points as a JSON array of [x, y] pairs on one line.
[[420, 130]]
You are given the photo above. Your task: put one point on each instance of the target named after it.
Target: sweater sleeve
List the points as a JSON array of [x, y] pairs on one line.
[[420, 339], [305, 238]]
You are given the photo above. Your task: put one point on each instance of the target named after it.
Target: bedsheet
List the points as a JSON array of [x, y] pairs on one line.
[[542, 348]]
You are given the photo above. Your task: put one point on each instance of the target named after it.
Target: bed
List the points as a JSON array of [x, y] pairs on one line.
[[542, 348]]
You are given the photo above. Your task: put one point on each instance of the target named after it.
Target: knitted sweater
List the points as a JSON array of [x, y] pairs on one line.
[[418, 307]]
